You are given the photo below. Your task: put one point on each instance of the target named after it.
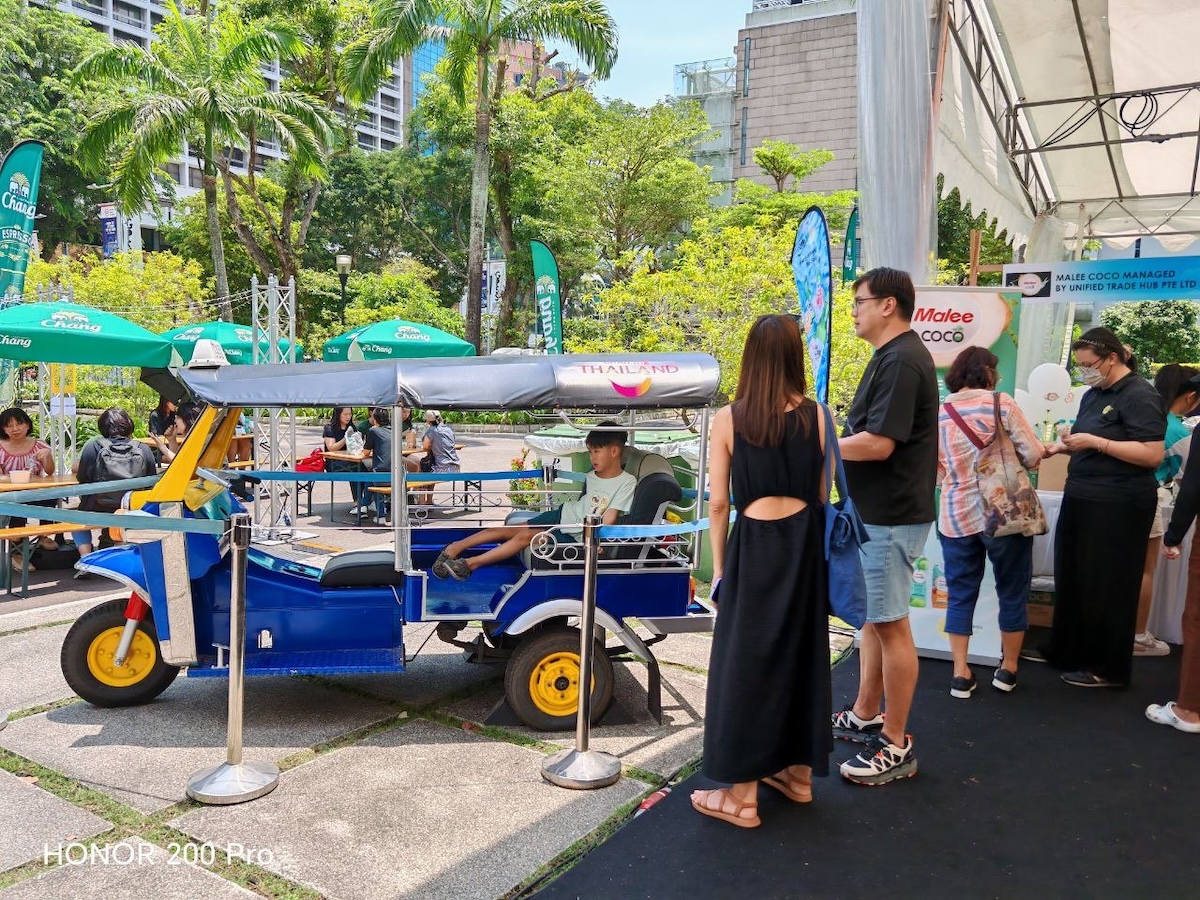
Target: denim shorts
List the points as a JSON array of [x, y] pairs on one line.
[[888, 566]]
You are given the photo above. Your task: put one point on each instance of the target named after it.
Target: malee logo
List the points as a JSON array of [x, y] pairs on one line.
[[948, 321], [73, 321], [547, 297], [16, 198]]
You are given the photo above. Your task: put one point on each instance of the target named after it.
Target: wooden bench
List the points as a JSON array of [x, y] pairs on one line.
[[240, 464], [22, 534]]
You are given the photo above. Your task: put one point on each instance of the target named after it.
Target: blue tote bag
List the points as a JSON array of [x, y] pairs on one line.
[[844, 536]]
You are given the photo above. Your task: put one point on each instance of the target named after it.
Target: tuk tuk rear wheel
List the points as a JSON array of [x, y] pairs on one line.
[[541, 682], [87, 654]]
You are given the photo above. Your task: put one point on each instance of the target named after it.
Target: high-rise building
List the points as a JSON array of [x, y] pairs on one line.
[[796, 71], [713, 84], [382, 126]]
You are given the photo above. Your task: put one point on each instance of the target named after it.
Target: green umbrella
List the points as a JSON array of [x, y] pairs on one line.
[[395, 339], [70, 333], [236, 340]]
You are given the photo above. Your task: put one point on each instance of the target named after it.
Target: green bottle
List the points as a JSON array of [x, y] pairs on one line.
[[920, 582]]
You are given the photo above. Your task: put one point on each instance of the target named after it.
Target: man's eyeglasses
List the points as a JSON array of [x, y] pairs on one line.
[[859, 301]]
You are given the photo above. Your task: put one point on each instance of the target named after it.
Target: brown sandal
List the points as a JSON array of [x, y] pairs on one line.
[[733, 818], [793, 788]]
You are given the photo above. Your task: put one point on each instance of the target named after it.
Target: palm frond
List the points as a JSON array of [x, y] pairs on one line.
[[584, 25]]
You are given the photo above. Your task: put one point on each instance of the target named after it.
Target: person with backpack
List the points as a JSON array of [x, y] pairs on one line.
[[111, 456]]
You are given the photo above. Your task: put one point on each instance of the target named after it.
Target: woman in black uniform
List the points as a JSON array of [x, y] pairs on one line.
[[769, 697], [1107, 508]]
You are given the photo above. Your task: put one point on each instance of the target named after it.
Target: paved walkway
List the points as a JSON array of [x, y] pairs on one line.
[[391, 788]]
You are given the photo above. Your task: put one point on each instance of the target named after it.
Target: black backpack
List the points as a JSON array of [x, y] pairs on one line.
[[115, 461]]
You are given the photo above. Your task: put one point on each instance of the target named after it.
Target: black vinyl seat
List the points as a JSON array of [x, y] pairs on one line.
[[362, 568]]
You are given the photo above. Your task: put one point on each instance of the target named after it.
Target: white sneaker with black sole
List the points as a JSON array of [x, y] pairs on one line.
[[849, 727], [881, 761]]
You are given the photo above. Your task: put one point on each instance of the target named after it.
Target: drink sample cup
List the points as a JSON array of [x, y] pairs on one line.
[[1064, 431], [20, 476]]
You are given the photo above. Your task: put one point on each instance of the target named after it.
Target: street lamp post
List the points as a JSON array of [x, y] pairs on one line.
[[343, 263]]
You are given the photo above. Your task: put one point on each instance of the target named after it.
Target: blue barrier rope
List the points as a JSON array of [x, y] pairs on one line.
[[381, 477], [128, 521], [83, 490], [645, 531]]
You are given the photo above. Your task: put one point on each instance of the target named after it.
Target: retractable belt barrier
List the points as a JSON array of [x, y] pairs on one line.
[[379, 477]]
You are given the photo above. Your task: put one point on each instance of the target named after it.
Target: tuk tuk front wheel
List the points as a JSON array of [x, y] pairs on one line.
[[87, 659], [541, 682]]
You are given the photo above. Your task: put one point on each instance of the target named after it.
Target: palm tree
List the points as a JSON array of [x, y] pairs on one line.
[[475, 33], [201, 82]]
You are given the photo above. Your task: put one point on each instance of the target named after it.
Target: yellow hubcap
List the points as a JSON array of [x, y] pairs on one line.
[[554, 684], [140, 660]]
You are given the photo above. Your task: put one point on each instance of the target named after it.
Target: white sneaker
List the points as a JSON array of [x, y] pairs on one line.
[[382, 520], [1146, 644], [356, 510]]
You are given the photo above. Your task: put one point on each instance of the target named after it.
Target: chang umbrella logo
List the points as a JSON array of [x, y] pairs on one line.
[[191, 335], [72, 321], [7, 340], [410, 333], [16, 198], [244, 335]]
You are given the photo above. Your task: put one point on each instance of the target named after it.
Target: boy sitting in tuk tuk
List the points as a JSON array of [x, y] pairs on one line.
[[608, 493]]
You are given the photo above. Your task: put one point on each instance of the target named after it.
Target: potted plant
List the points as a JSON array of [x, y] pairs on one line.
[[524, 493]]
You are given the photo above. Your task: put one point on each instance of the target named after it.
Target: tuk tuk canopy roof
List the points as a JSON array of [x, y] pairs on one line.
[[596, 381]]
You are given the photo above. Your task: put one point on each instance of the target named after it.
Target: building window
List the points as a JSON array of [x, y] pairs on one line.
[[195, 179], [745, 118], [746, 67], [386, 145], [175, 170]]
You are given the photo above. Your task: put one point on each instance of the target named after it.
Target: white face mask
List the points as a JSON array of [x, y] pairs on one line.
[[1090, 375]]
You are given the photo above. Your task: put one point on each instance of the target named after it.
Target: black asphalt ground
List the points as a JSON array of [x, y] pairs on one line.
[[1049, 792]]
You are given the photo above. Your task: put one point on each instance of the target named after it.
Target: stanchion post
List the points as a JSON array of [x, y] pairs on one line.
[[235, 781], [580, 768]]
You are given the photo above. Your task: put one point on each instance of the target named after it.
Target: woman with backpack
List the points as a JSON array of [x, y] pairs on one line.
[[111, 456]]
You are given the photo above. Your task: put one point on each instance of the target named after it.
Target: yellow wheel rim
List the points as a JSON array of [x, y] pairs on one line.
[[142, 656], [554, 684]]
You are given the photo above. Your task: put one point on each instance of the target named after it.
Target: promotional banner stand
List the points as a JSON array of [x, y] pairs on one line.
[[235, 781], [581, 768]]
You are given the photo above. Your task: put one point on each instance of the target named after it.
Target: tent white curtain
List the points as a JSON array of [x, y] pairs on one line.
[[895, 165]]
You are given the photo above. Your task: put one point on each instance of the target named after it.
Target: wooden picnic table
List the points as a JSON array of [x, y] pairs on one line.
[[9, 535]]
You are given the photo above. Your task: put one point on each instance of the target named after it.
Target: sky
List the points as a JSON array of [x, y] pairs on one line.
[[657, 35]]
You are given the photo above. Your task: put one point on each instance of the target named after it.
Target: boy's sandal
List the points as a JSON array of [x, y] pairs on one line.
[[793, 788], [440, 568], [733, 818]]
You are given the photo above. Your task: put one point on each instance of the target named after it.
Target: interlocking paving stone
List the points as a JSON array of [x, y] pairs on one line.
[[143, 755], [33, 820], [30, 674], [130, 870], [419, 811]]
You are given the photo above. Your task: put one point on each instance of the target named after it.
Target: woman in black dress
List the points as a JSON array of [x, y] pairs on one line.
[[769, 696]]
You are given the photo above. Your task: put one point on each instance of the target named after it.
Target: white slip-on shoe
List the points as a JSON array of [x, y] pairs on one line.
[[1165, 715]]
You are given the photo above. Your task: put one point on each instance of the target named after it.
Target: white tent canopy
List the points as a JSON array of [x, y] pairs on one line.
[[1085, 111]]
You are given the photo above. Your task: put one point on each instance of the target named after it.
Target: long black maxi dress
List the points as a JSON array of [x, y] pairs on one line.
[[769, 695]]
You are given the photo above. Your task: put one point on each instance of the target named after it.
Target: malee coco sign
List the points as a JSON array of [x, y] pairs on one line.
[[947, 320], [1107, 280]]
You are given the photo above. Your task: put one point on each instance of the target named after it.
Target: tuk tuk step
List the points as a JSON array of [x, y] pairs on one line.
[[678, 624], [313, 662]]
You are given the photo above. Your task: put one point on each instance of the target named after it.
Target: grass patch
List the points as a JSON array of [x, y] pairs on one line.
[[29, 628], [343, 740], [45, 707]]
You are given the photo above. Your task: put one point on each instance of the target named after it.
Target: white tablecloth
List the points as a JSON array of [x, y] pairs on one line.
[[1170, 578]]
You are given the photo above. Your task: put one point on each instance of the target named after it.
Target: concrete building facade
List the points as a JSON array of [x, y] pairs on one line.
[[796, 81]]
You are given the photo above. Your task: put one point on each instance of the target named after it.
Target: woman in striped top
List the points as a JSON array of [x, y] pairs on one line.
[[965, 547]]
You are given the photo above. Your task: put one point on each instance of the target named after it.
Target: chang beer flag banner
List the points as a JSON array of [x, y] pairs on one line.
[[549, 299], [850, 249], [20, 176], [814, 285]]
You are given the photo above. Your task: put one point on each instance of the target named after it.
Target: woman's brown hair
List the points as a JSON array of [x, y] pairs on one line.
[[772, 373], [975, 367]]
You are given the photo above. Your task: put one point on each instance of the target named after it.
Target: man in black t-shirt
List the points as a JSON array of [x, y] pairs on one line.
[[890, 448]]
